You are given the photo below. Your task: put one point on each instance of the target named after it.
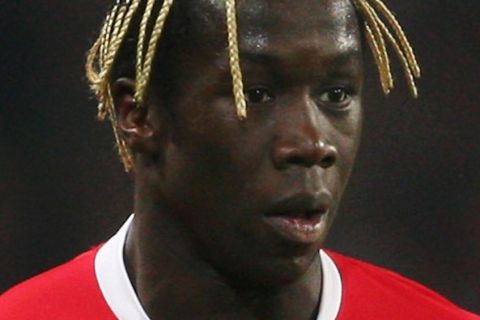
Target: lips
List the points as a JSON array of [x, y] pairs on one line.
[[300, 218]]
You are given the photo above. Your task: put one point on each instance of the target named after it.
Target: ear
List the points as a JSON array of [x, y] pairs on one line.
[[133, 121]]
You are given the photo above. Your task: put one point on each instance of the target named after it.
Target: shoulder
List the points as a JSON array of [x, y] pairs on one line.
[[371, 292], [69, 291]]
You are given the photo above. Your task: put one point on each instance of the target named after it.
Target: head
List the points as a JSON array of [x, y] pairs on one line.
[[242, 121]]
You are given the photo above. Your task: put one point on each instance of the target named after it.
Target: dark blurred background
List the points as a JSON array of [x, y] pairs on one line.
[[414, 198]]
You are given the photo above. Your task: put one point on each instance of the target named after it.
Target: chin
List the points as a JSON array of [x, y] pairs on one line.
[[256, 271], [293, 270]]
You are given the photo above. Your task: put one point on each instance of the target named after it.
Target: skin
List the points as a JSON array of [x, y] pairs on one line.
[[199, 246]]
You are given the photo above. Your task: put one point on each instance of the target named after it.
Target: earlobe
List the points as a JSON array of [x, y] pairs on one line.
[[132, 120]]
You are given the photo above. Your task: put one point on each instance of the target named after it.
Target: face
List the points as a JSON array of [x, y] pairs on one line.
[[257, 197]]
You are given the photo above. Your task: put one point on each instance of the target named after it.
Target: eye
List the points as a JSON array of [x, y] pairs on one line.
[[337, 97], [259, 95]]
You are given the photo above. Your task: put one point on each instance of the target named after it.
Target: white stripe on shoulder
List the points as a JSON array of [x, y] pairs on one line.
[[331, 299], [113, 279]]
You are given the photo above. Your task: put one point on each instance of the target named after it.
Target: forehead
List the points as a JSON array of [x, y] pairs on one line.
[[325, 24]]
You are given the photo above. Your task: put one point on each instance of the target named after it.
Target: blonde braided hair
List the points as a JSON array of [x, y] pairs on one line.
[[234, 55], [380, 26]]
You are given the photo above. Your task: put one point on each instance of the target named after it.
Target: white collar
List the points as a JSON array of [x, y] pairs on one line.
[[118, 292]]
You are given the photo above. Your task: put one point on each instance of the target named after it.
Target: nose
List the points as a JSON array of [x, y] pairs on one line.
[[304, 152], [302, 139]]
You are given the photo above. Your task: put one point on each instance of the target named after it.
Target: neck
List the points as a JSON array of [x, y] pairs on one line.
[[172, 281]]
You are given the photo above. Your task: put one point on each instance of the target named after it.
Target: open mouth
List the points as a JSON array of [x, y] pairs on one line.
[[300, 218], [307, 219]]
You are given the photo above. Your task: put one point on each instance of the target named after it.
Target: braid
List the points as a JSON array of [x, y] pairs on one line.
[[377, 55], [143, 77], [375, 30], [106, 36], [380, 27], [405, 45], [142, 36], [409, 73], [235, 69]]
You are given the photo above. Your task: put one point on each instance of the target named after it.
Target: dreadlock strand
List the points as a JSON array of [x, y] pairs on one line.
[[234, 56], [407, 65], [377, 55], [119, 31], [144, 78], [107, 35], [113, 26], [114, 37], [382, 45], [98, 57], [90, 66], [98, 51], [142, 35], [372, 21], [403, 59], [94, 75], [400, 34], [102, 49]]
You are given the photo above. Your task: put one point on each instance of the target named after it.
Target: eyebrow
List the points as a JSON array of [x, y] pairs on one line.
[[339, 64], [271, 58]]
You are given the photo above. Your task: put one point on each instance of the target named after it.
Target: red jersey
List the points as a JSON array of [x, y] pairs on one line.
[[95, 285]]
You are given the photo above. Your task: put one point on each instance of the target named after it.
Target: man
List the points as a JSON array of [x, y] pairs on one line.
[[234, 193]]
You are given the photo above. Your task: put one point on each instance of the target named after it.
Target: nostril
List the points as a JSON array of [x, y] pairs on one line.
[[327, 161]]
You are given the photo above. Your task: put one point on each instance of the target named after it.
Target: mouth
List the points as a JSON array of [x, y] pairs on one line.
[[300, 218]]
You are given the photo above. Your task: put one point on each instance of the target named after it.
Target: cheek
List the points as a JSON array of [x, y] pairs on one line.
[[348, 132], [347, 139], [207, 170], [347, 151], [231, 147]]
